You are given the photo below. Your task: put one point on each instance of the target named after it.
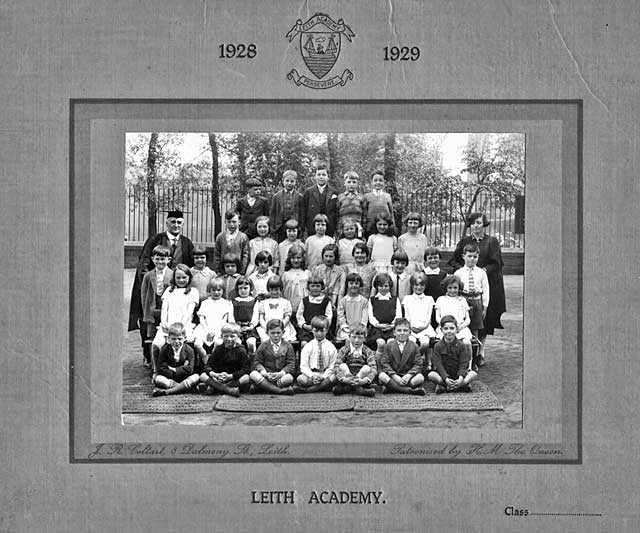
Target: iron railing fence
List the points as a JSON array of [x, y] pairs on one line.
[[442, 213]]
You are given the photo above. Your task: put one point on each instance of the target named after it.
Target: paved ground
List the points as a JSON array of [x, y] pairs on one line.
[[503, 374]]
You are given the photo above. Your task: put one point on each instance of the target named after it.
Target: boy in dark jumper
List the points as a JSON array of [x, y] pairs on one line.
[[227, 369], [451, 360], [175, 364]]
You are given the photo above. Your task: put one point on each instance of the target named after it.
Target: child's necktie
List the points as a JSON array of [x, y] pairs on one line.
[[471, 282]]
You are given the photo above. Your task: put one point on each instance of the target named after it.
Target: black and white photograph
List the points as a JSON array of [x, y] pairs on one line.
[[359, 228], [339, 266], [425, 210]]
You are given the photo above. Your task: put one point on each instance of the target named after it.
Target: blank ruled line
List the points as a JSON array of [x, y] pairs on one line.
[[565, 514]]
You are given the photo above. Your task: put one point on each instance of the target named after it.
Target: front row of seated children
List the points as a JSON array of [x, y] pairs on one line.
[[398, 364]]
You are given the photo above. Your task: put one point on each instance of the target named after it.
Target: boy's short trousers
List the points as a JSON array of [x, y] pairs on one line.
[[475, 312], [374, 334], [244, 335], [304, 335]]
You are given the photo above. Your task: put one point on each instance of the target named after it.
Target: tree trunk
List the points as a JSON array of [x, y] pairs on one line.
[[215, 184], [152, 199], [242, 161], [332, 150], [390, 165], [471, 209]]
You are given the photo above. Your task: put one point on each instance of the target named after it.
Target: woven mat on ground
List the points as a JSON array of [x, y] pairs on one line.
[[136, 394], [479, 399], [136, 398], [300, 403]]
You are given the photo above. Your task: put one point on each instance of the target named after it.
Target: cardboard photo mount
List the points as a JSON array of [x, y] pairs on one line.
[[552, 379]]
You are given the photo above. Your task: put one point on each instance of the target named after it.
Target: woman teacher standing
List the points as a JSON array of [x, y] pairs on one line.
[[490, 259]]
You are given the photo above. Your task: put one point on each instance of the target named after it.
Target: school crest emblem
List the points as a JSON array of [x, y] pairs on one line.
[[320, 41]]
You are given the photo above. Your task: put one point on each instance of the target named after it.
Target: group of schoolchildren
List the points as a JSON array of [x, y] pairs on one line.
[[332, 313]]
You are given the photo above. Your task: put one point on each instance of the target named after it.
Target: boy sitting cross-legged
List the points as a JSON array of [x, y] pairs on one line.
[[175, 364], [400, 362], [274, 362], [355, 366], [317, 359], [227, 369], [450, 359]]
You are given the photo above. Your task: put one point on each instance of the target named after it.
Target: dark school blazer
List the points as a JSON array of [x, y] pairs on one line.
[[166, 360], [313, 204], [277, 210], [410, 361], [249, 213]]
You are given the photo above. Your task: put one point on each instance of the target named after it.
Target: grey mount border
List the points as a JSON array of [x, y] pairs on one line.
[[73, 102]]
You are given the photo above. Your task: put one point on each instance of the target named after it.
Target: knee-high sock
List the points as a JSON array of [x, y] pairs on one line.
[[323, 385], [396, 387], [220, 387], [183, 386], [270, 387]]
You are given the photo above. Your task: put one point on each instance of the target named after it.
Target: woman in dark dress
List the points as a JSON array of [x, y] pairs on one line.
[[490, 260]]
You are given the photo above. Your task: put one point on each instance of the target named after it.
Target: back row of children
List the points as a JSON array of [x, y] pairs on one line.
[[321, 197]]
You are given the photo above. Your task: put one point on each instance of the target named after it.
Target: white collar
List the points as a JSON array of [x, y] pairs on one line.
[[172, 237], [429, 270], [356, 351], [383, 297]]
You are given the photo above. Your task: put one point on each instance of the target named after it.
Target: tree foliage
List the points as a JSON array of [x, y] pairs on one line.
[[267, 155], [490, 166], [495, 171]]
